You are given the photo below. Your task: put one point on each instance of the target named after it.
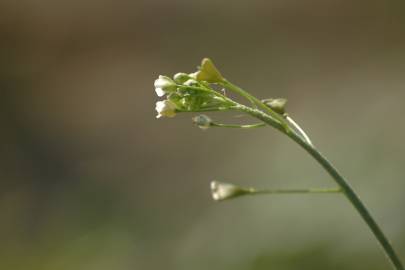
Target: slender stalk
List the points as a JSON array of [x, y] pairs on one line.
[[299, 129], [258, 125], [349, 192], [354, 199], [217, 109], [277, 117], [253, 191]]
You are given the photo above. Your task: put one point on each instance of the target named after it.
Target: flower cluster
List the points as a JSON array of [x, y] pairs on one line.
[[190, 92], [194, 93], [164, 85]]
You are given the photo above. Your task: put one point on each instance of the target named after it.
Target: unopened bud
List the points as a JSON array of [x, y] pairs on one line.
[[181, 78], [208, 72], [190, 82], [277, 104], [202, 121], [222, 191]]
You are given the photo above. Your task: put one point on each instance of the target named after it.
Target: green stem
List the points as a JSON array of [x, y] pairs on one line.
[[239, 126], [202, 110], [294, 191], [261, 116], [343, 184], [298, 129], [210, 109], [277, 117], [354, 199], [206, 90]]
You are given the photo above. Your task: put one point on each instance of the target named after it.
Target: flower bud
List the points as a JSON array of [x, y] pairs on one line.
[[193, 75], [222, 191], [164, 85], [277, 104], [180, 78], [165, 108], [202, 121], [190, 82], [208, 72]]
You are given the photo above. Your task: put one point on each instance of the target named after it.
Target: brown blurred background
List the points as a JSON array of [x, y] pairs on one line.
[[91, 180]]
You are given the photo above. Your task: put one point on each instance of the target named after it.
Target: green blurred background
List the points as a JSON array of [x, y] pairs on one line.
[[91, 180]]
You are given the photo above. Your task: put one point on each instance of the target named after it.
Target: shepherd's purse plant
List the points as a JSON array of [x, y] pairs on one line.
[[206, 91]]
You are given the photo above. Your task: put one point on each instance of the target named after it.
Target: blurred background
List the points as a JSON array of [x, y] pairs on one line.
[[90, 179]]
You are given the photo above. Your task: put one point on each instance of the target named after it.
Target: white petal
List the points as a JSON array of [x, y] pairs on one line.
[[159, 82], [214, 185], [160, 92], [159, 106], [165, 108]]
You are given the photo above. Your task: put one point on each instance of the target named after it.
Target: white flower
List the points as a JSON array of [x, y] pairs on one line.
[[160, 92], [222, 191], [165, 108], [164, 85]]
